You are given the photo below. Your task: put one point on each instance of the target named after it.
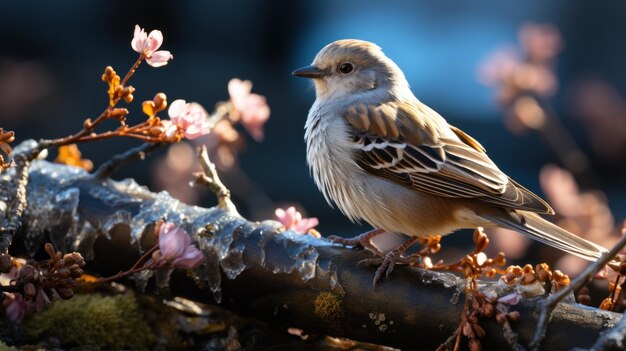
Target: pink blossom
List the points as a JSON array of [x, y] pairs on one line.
[[293, 220], [176, 248], [510, 299], [252, 108], [15, 306], [191, 118], [148, 44]]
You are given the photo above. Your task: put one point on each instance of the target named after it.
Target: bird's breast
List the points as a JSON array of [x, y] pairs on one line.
[[331, 162]]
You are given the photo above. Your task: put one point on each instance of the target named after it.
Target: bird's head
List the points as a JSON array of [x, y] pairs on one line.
[[349, 67]]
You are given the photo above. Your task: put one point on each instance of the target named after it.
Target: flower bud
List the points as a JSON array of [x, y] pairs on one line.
[[529, 278], [527, 269], [118, 113], [160, 102], [109, 74], [500, 259], [543, 272]]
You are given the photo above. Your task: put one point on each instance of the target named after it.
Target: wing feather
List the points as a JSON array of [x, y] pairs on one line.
[[394, 141]]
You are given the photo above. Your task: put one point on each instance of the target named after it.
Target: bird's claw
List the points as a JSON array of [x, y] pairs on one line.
[[363, 241], [387, 264]]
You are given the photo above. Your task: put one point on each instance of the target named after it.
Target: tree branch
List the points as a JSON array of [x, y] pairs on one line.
[[116, 162], [286, 279], [550, 302]]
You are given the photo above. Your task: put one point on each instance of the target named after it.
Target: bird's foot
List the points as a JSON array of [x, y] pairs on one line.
[[388, 262], [362, 241]]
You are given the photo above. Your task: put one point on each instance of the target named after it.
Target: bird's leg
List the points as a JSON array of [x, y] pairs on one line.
[[362, 240], [388, 262]]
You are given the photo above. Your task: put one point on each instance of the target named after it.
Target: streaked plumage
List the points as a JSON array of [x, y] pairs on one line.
[[384, 157]]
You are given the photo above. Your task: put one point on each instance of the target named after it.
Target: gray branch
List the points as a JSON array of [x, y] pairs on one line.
[[286, 279]]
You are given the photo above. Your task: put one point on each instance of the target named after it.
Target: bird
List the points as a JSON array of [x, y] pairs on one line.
[[384, 157]]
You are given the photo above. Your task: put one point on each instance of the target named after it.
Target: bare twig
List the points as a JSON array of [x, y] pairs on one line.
[[212, 181], [117, 161], [551, 301], [12, 222]]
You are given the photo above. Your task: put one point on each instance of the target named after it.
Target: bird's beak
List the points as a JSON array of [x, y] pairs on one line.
[[309, 72]]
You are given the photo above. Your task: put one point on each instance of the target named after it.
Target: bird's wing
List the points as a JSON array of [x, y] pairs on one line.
[[394, 141]]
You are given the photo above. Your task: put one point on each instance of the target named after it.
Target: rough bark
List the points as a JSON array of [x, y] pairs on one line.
[[280, 277]]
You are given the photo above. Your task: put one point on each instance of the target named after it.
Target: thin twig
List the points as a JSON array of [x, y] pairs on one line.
[[551, 301], [12, 222], [117, 161], [137, 267], [132, 70], [212, 181]]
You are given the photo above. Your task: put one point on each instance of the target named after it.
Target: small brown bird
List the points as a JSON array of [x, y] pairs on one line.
[[386, 158]]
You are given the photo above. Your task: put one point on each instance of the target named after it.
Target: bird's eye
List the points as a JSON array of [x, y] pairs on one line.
[[346, 68]]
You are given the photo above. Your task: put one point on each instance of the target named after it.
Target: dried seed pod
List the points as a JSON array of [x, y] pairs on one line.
[[480, 332], [27, 273], [6, 263], [59, 263], [30, 291], [474, 345], [76, 273], [488, 310], [491, 273], [65, 293], [64, 272], [49, 249], [467, 330], [500, 318], [513, 316]]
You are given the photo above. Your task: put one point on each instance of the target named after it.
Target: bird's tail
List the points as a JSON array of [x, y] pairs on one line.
[[537, 228]]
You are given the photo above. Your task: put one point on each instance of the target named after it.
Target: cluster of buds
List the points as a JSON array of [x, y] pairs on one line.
[[473, 265], [430, 246], [116, 90], [33, 284], [486, 306], [5, 139], [527, 275]]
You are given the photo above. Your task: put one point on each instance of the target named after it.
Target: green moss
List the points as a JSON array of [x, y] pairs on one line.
[[329, 307], [5, 347], [95, 321]]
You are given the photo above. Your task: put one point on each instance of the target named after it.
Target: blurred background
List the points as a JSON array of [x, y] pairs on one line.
[[535, 82]]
